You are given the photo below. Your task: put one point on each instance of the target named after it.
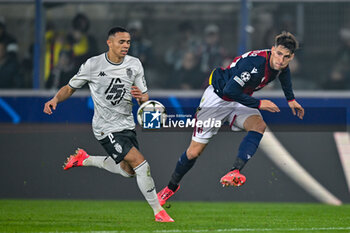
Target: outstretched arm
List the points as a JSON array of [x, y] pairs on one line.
[[268, 105], [64, 93], [234, 91], [296, 109]]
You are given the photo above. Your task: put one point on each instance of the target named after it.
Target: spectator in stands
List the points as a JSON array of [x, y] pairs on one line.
[[78, 41], [339, 77], [287, 23], [186, 42], [81, 43], [54, 43], [9, 41], [212, 53], [63, 71], [9, 68], [188, 76], [26, 69], [140, 47]]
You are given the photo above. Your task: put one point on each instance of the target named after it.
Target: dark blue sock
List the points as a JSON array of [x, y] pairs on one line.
[[247, 149], [182, 167]]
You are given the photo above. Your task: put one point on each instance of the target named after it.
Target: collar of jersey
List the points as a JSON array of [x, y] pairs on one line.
[[113, 63]]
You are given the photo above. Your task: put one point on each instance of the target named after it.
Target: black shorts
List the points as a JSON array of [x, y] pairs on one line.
[[119, 144]]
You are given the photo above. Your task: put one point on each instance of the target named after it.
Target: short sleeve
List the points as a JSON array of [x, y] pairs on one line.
[[82, 77], [140, 80]]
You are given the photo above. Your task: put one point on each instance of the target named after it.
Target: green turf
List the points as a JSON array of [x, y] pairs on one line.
[[137, 216]]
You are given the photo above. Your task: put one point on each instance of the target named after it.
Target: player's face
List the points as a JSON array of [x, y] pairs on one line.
[[280, 57], [119, 45]]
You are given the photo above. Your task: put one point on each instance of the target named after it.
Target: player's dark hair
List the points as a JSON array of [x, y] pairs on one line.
[[287, 40], [114, 30]]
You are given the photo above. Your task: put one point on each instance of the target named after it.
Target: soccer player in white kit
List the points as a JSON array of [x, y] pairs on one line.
[[114, 78]]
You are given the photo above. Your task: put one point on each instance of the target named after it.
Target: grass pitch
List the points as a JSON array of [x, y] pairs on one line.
[[137, 216]]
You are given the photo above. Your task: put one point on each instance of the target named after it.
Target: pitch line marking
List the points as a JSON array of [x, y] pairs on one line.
[[230, 230], [10, 111], [342, 140], [286, 162]]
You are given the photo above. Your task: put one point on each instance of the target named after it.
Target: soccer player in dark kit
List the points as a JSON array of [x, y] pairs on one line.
[[229, 98]]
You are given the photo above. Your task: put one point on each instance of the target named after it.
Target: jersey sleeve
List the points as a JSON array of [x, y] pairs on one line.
[[234, 88], [234, 91], [140, 80], [83, 76], [286, 83]]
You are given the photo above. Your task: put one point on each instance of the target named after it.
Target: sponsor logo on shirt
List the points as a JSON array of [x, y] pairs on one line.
[[115, 91], [254, 71], [102, 74]]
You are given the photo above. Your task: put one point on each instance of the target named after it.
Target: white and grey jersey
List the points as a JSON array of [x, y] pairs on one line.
[[110, 87]]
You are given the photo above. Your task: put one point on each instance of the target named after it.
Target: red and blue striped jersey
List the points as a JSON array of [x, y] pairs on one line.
[[246, 74]]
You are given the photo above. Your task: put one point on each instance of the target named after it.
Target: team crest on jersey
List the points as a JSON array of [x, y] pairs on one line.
[[115, 91], [129, 72], [245, 76]]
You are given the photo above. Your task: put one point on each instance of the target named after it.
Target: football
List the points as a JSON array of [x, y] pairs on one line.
[[151, 106]]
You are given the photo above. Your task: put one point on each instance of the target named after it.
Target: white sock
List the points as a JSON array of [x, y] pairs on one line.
[[106, 163], [147, 187]]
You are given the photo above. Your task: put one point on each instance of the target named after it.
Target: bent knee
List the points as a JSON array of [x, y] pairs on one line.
[[195, 150], [193, 153], [255, 123], [260, 126], [127, 169]]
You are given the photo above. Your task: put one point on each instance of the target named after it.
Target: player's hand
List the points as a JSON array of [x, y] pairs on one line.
[[268, 105], [136, 93], [297, 109], [50, 105]]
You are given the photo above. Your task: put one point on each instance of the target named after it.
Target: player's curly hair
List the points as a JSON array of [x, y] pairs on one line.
[[287, 40]]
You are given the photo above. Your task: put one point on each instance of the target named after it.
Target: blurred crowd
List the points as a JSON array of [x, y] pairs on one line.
[[65, 52], [10, 68], [187, 63], [191, 59], [339, 76]]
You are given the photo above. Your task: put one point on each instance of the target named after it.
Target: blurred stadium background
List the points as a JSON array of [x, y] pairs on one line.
[[179, 42]]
